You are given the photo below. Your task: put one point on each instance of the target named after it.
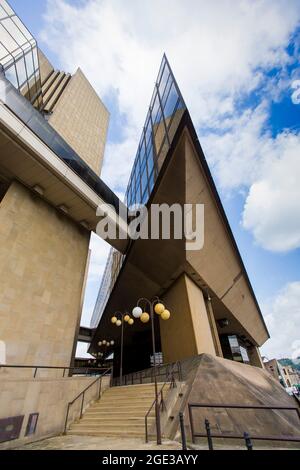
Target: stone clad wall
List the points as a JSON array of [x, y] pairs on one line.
[[42, 267], [49, 398], [82, 120]]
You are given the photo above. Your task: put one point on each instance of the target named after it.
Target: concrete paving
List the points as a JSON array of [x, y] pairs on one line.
[[70, 442]]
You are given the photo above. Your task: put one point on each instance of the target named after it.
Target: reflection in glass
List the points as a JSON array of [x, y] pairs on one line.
[[165, 113]]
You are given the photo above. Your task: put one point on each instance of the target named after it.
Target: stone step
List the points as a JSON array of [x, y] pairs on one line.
[[120, 413], [103, 433], [114, 420]]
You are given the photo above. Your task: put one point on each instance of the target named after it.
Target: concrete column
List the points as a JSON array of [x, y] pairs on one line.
[[187, 333], [213, 328], [255, 357], [42, 265]]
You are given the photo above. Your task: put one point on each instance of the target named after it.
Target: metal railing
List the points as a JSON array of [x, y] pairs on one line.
[[82, 395], [210, 435], [147, 375], [171, 381], [86, 371]]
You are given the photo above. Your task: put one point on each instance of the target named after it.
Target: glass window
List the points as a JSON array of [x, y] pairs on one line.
[[156, 111], [11, 75], [148, 131], [17, 35], [171, 102], [244, 354], [21, 71], [3, 13], [164, 80], [24, 31], [150, 163], [7, 40], [7, 8], [144, 180], [29, 63]]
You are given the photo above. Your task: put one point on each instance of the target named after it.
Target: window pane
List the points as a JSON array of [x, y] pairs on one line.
[[20, 65], [11, 75], [171, 102], [29, 63], [164, 80]]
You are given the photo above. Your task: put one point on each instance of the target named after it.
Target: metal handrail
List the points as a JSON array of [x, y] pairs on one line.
[[239, 407], [36, 368], [142, 374], [160, 394], [83, 394]]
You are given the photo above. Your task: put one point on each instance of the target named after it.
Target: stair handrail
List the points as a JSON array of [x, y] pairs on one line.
[[99, 378], [128, 379], [160, 393]]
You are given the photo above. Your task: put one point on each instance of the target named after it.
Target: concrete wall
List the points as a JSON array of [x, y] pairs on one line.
[[218, 263], [187, 333], [49, 398], [45, 66], [82, 120], [42, 265]]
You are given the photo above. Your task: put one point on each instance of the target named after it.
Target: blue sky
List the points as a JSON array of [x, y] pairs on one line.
[[236, 63]]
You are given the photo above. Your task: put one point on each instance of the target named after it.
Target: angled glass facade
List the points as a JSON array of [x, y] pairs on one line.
[[165, 112], [19, 55]]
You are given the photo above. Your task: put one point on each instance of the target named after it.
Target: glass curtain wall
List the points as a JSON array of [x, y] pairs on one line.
[[164, 115], [19, 55]]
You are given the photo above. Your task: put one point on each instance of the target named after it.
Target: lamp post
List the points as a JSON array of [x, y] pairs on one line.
[[158, 307], [119, 319]]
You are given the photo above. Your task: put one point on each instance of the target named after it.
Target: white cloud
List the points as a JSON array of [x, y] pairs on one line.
[[272, 209], [220, 52], [282, 315], [268, 168]]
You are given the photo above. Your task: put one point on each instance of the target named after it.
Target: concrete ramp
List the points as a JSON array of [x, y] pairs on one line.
[[215, 380]]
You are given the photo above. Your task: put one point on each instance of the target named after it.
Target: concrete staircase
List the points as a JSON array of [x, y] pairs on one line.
[[119, 412]]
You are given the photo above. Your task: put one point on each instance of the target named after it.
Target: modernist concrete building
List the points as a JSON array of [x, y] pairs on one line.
[[53, 130], [214, 309], [52, 135]]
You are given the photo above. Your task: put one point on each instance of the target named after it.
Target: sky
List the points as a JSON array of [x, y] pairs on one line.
[[237, 65]]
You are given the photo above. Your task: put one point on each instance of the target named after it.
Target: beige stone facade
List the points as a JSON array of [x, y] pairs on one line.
[[81, 119], [42, 266], [49, 398], [45, 66], [188, 331]]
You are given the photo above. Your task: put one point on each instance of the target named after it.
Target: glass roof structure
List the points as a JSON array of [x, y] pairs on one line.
[[19, 55], [164, 115]]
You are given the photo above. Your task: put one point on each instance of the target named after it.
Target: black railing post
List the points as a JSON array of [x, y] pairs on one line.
[[208, 433], [183, 436], [81, 410], [100, 387], [66, 422], [248, 441], [35, 372], [192, 424]]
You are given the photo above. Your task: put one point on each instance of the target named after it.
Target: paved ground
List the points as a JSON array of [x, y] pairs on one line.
[[109, 443], [98, 443]]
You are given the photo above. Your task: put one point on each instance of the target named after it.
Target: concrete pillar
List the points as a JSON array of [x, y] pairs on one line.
[[187, 333], [42, 265], [255, 357]]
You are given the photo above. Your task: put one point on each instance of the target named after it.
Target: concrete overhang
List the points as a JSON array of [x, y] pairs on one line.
[[24, 156], [151, 266]]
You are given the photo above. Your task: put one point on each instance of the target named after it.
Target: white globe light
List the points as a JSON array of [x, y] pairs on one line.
[[118, 323], [104, 341], [137, 312], [100, 343], [112, 343]]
